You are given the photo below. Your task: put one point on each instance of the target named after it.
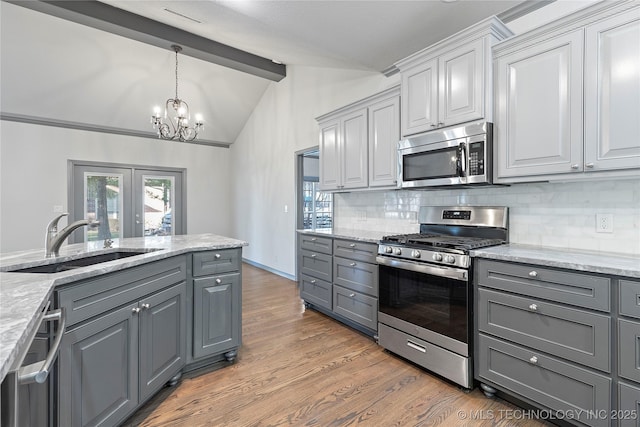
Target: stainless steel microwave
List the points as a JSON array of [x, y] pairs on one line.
[[454, 156]]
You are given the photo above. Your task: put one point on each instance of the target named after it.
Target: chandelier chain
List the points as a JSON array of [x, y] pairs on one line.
[[177, 74]]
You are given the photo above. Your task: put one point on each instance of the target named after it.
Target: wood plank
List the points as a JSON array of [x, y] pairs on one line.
[[300, 367]]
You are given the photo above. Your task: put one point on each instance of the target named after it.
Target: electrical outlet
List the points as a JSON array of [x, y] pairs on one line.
[[604, 223]]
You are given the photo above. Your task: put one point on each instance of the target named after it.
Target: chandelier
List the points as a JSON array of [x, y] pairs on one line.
[[176, 127]]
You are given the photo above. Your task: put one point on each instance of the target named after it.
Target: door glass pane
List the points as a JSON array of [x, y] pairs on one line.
[[158, 203], [103, 202]]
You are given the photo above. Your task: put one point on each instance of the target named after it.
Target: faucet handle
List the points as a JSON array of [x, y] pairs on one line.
[[53, 224]]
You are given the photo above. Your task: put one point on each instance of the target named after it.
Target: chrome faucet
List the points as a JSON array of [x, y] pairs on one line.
[[55, 239]]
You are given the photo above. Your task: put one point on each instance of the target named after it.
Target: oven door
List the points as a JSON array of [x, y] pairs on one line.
[[427, 301]]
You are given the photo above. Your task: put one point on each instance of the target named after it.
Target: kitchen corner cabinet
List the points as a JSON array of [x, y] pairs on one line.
[[339, 277], [566, 101], [358, 143], [551, 337], [450, 82], [217, 303]]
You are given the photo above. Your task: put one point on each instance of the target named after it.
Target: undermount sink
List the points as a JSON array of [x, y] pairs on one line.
[[78, 262]]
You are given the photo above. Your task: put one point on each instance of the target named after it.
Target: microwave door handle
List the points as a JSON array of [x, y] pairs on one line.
[[462, 160]]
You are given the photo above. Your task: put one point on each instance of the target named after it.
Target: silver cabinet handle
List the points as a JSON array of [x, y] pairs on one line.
[[352, 245], [39, 371], [313, 282], [589, 165], [135, 310], [353, 264], [440, 123], [533, 273], [313, 255], [217, 256], [432, 125], [218, 281], [313, 239], [533, 307], [351, 295], [575, 166], [145, 306], [533, 360]]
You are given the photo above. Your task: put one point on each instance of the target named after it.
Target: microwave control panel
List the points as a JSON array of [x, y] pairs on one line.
[[476, 158]]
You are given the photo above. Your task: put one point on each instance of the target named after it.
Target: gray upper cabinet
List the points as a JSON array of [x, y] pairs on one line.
[[566, 100], [358, 143], [450, 82]]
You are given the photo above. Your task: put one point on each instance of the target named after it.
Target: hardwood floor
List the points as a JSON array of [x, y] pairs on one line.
[[301, 368]]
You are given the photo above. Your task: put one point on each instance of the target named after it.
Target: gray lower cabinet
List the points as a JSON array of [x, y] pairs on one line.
[[356, 306], [629, 354], [33, 399], [316, 291], [628, 405], [126, 338]]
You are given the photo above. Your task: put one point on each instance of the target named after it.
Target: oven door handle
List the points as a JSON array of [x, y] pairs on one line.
[[448, 272]]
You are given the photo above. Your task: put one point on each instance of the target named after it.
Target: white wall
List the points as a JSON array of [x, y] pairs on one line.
[[33, 177], [263, 155]]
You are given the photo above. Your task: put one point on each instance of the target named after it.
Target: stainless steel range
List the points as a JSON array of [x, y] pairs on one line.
[[425, 311]]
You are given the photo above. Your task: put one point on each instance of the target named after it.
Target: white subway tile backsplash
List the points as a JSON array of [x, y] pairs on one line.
[[550, 214]]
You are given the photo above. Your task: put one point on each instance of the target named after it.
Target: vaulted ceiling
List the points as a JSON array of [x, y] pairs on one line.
[[68, 69]]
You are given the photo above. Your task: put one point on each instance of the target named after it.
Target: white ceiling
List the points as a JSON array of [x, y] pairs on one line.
[[368, 35]]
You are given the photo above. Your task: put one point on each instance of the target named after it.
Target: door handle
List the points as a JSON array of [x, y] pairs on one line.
[[39, 371]]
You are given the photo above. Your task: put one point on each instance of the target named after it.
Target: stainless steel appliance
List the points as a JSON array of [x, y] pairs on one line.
[[425, 305], [456, 156]]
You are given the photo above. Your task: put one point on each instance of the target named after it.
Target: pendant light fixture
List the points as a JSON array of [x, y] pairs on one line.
[[177, 126]]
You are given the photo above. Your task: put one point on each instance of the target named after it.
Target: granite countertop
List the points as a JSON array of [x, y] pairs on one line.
[[338, 233], [23, 296], [588, 261]]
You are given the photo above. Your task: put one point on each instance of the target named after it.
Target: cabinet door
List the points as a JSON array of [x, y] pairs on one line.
[[217, 321], [461, 84], [628, 405], [612, 93], [330, 155], [353, 147], [539, 108], [420, 98], [384, 134], [33, 399], [98, 370], [163, 336]]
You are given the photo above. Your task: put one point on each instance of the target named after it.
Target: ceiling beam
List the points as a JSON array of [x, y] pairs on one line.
[[123, 23]]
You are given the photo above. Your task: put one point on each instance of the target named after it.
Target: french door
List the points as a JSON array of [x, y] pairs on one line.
[[128, 201]]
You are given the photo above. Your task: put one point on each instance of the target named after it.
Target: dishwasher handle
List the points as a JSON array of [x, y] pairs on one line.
[[39, 371]]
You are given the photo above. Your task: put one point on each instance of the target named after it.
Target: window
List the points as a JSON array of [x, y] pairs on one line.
[[317, 208]]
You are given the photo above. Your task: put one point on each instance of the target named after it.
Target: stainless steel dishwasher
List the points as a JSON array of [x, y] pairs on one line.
[[20, 411]]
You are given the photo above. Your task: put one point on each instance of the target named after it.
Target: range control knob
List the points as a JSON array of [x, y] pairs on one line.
[[450, 259], [388, 250], [397, 251], [437, 257], [415, 254]]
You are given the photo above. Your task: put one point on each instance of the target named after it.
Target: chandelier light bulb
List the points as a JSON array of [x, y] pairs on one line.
[[178, 127]]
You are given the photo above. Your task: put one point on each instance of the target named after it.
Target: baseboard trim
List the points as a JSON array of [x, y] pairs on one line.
[[270, 270]]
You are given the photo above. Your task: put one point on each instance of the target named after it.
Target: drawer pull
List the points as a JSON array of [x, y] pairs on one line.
[[637, 299], [351, 295], [313, 239], [313, 255], [218, 281], [352, 245], [533, 307], [217, 256], [533, 360], [353, 264], [533, 273], [135, 310], [416, 346], [313, 282], [145, 306]]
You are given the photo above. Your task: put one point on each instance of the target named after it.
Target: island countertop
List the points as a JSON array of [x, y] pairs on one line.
[[23, 296]]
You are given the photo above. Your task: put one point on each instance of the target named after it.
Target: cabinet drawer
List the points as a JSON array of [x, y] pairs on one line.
[[629, 349], [356, 275], [316, 243], [582, 290], [630, 298], [358, 307], [628, 405], [359, 251], [316, 291], [573, 334], [89, 298], [551, 382], [316, 264], [216, 262]]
